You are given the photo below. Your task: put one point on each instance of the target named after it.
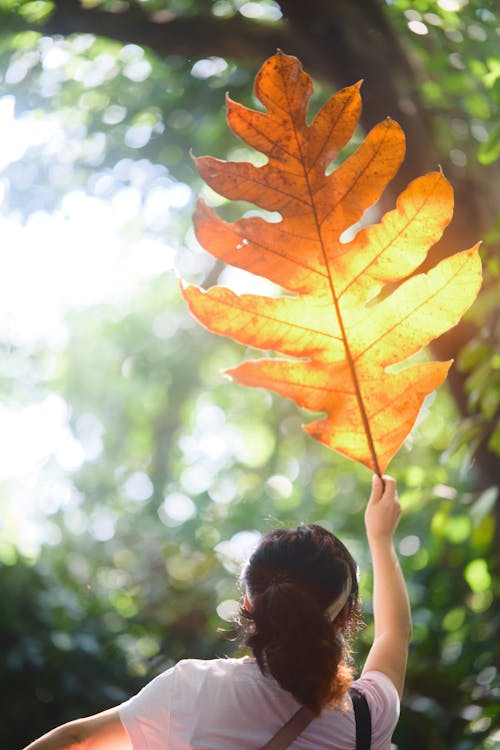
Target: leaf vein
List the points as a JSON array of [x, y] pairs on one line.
[[387, 245], [360, 174], [287, 323], [327, 136], [390, 329]]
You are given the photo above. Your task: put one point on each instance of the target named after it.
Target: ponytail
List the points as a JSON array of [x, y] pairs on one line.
[[291, 579]]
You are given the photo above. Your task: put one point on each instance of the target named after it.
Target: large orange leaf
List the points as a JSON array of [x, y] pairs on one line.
[[341, 336]]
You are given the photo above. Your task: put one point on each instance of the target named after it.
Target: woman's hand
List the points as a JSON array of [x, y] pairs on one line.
[[391, 608], [383, 510]]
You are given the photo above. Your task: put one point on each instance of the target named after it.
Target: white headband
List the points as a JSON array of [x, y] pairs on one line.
[[338, 604]]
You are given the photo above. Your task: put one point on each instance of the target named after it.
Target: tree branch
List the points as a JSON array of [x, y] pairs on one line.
[[189, 37]]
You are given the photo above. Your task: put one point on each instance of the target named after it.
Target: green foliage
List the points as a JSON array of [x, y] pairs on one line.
[[456, 43], [113, 102]]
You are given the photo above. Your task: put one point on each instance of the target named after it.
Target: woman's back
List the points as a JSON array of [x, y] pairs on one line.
[[227, 704]]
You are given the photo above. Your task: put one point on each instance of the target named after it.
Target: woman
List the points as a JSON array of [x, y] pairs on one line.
[[300, 607]]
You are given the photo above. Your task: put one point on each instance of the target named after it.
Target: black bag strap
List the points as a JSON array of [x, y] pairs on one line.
[[302, 718], [363, 719]]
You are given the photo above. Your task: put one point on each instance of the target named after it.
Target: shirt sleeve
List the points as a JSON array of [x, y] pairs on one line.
[[146, 716], [383, 701]]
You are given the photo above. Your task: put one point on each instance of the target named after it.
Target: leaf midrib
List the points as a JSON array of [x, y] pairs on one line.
[[345, 341]]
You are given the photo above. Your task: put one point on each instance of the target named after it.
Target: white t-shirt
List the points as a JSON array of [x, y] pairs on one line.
[[227, 704]]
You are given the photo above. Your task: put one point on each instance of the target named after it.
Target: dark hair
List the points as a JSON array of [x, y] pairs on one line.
[[291, 579]]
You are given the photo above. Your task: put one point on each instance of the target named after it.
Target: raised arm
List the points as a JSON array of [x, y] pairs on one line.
[[391, 607]]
